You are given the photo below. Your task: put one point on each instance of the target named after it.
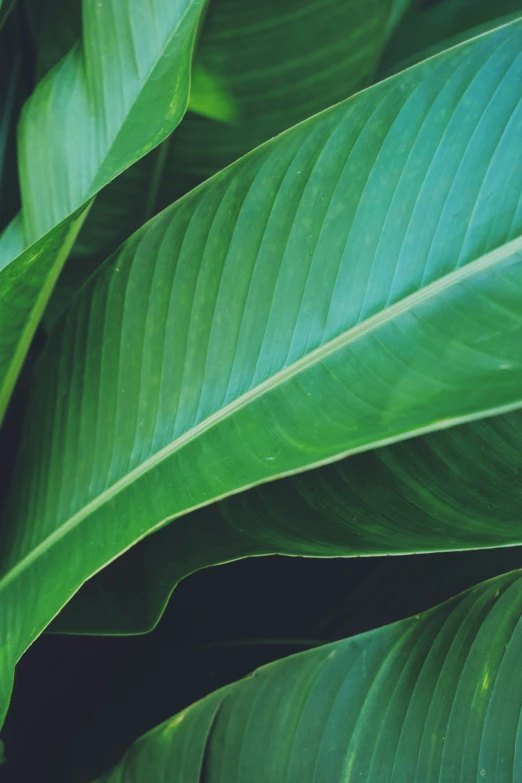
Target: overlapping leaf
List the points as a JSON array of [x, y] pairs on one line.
[[433, 698], [355, 282], [106, 104]]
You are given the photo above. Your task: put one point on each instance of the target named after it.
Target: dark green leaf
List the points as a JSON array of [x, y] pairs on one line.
[[427, 31], [57, 28]]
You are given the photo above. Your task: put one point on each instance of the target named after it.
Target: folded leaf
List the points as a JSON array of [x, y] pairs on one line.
[[106, 104], [350, 284], [433, 698]]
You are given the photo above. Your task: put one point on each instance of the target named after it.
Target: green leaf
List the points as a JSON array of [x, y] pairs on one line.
[[398, 9], [350, 284], [56, 28], [435, 698], [105, 105], [209, 96]]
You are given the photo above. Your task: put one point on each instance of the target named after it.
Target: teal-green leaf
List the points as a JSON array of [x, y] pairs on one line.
[[106, 104], [355, 282], [433, 698]]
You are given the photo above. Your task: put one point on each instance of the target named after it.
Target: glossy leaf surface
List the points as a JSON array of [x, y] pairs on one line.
[[105, 105], [436, 697], [355, 282]]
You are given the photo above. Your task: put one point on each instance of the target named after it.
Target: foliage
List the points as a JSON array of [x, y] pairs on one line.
[[263, 296]]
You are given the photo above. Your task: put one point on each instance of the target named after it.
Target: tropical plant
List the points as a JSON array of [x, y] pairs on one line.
[[261, 293]]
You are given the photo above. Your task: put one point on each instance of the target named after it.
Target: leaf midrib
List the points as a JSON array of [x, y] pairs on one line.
[[387, 315]]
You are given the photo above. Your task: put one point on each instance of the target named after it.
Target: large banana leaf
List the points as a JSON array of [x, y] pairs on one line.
[[104, 106], [433, 698], [353, 283]]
